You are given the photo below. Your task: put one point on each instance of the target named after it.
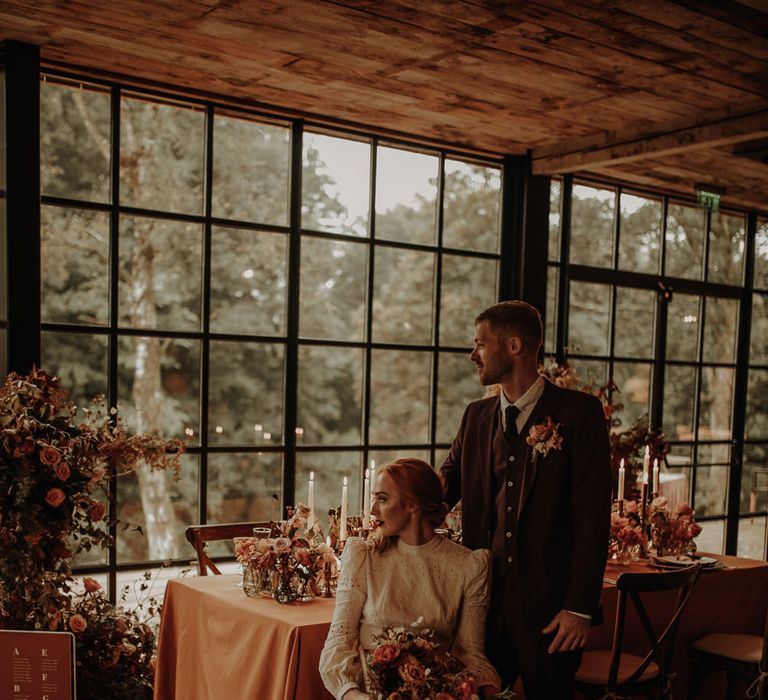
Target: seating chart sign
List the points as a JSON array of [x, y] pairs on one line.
[[37, 665]]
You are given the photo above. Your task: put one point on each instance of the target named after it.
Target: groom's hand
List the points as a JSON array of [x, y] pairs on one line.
[[572, 631]]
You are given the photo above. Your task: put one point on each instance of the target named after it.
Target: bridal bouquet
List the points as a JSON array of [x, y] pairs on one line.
[[408, 663]]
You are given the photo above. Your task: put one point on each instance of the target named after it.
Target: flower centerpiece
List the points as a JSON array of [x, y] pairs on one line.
[[627, 539], [289, 566], [673, 531], [409, 663], [54, 497]]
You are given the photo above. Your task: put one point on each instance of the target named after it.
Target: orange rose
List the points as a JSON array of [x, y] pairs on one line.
[[50, 456], [413, 673], [77, 623], [91, 584], [55, 497], [63, 472], [385, 654], [540, 433], [98, 511], [53, 621]]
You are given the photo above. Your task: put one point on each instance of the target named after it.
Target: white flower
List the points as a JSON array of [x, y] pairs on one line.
[[419, 622]]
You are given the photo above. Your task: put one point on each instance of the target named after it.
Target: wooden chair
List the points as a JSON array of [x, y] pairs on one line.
[[614, 673], [199, 535], [742, 656]]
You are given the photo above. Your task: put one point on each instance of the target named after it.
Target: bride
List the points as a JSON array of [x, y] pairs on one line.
[[408, 572]]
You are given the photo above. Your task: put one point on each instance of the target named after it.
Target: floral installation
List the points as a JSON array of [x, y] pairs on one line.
[[409, 663], [673, 531], [544, 437], [293, 563], [626, 532], [54, 496]]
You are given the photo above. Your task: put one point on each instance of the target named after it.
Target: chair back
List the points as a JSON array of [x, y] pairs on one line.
[[662, 642], [199, 535]]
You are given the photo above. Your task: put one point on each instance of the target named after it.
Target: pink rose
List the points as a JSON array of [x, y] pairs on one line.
[[50, 456], [385, 654], [98, 511], [91, 584], [77, 623], [55, 497], [282, 545], [98, 474], [63, 472], [468, 689], [540, 433]]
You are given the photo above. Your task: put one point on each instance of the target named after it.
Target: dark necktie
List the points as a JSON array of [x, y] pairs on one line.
[[510, 415]]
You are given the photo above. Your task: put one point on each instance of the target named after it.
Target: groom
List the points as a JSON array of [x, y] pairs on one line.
[[532, 469]]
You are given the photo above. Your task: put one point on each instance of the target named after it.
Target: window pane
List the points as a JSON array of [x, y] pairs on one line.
[[246, 394], [675, 485], [685, 241], [250, 170], [74, 266], [756, 420], [712, 479], [400, 397], [244, 487], [555, 195], [683, 327], [752, 533], [758, 345], [640, 234], [634, 382], [80, 359], [402, 295], [712, 537], [248, 281], [721, 326], [75, 135], [471, 204], [173, 505], [457, 386], [592, 214], [161, 156], [406, 196], [635, 312], [761, 255], [679, 401], [726, 249], [591, 374], [754, 479], [161, 264], [468, 285], [589, 318], [716, 403], [550, 317], [330, 397], [159, 385], [335, 185], [333, 289], [330, 469]]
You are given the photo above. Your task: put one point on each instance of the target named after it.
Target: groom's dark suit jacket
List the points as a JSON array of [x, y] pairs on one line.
[[564, 505]]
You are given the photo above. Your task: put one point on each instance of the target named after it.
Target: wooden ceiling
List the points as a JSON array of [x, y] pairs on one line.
[[657, 93]]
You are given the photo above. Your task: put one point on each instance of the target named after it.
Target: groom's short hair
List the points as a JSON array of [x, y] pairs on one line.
[[515, 318]]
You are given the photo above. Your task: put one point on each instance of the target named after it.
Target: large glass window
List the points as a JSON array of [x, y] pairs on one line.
[[178, 281]]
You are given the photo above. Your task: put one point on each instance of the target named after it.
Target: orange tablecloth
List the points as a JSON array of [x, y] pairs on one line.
[[216, 643]]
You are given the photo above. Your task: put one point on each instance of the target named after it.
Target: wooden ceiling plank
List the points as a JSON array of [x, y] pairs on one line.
[[625, 148]]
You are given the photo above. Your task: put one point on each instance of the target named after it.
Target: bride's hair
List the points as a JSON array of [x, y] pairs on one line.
[[417, 482]]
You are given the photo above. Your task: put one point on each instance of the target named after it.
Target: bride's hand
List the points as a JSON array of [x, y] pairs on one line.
[[355, 694]]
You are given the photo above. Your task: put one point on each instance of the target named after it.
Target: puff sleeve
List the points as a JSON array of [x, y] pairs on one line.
[[340, 665]]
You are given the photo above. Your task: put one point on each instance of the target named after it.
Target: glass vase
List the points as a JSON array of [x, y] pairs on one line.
[[253, 580]]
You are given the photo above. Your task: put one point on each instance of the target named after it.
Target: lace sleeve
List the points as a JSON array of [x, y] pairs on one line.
[[340, 665], [470, 632]]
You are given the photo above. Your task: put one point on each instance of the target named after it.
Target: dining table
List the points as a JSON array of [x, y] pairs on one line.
[[216, 643]]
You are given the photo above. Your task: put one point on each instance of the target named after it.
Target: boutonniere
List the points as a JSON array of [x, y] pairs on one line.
[[544, 437]]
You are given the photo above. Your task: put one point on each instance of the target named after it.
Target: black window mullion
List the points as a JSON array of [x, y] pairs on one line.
[[436, 316], [561, 333], [369, 305]]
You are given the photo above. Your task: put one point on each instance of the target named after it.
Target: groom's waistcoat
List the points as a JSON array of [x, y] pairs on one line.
[[508, 470]]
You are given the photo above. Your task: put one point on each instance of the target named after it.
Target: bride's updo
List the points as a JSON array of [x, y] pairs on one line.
[[417, 482]]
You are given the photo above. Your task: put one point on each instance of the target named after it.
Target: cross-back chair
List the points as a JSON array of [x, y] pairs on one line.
[[199, 535], [743, 657], [614, 673]]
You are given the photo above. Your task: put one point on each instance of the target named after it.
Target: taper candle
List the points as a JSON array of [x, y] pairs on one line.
[[311, 501], [343, 517], [366, 499], [622, 473], [656, 476]]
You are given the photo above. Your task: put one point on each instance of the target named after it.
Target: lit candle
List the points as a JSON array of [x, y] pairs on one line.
[[656, 476], [311, 501], [343, 517], [620, 494], [366, 499]]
